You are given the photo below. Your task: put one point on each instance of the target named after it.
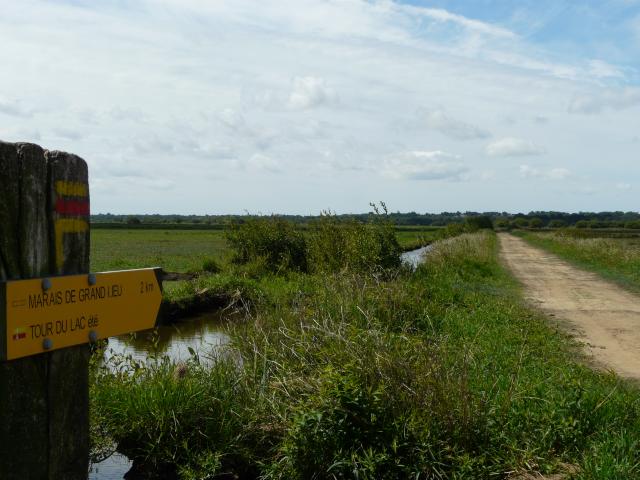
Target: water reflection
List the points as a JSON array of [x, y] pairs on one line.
[[202, 334], [112, 468], [414, 257]]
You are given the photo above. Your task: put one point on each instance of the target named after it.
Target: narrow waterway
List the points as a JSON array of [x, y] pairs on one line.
[[203, 334], [414, 257]]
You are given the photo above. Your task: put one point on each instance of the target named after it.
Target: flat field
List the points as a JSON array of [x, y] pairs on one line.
[[173, 250], [411, 237], [186, 250]]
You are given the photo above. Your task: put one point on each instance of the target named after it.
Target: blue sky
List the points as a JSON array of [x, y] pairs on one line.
[[294, 106]]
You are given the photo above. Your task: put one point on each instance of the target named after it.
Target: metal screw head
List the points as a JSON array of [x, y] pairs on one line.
[[47, 344], [93, 336], [46, 283], [92, 279]]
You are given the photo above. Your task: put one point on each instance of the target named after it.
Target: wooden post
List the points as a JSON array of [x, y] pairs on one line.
[[44, 230]]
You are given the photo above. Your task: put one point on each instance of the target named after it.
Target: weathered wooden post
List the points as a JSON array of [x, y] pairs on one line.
[[44, 231]]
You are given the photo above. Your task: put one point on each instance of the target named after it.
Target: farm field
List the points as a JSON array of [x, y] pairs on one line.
[[396, 375], [617, 259], [412, 237], [186, 250], [173, 250]]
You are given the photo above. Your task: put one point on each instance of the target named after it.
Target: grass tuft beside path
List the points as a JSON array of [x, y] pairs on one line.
[[617, 259]]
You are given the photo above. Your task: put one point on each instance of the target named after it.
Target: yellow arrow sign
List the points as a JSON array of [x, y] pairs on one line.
[[58, 312]]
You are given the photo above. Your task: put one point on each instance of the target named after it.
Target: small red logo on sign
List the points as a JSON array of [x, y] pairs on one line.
[[19, 334]]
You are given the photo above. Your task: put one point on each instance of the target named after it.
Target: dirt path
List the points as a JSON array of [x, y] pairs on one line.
[[601, 314]]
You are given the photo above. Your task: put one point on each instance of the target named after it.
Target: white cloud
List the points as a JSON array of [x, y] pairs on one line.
[[261, 162], [618, 99], [232, 119], [421, 165], [309, 92], [487, 175], [513, 147], [453, 128], [559, 173], [602, 69], [527, 171], [475, 26], [623, 186], [14, 108]]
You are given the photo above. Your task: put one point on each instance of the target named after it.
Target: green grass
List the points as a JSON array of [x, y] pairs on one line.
[[443, 373], [173, 250], [617, 259], [411, 238]]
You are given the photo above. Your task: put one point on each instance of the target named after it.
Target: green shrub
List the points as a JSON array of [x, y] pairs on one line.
[[331, 244], [335, 244], [270, 240]]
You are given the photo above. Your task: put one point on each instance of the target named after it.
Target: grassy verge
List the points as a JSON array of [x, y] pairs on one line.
[[617, 259], [443, 373]]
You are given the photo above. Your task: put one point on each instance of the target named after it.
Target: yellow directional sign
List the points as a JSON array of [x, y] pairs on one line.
[[50, 313]]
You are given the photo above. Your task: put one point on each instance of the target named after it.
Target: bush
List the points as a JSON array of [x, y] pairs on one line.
[[335, 244], [270, 240], [478, 223], [331, 244]]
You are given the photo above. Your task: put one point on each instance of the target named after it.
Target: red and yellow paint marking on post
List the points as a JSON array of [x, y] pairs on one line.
[[72, 207]]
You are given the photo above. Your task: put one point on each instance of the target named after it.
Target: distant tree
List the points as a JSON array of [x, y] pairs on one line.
[[521, 222], [634, 224], [133, 221], [582, 224], [536, 222], [479, 222], [557, 223]]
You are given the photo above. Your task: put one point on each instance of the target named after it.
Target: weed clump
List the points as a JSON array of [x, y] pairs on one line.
[[211, 265]]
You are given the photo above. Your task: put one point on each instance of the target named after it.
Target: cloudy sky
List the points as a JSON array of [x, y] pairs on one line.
[[294, 106]]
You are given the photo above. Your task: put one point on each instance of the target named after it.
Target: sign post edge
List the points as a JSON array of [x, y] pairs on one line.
[[3, 321]]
